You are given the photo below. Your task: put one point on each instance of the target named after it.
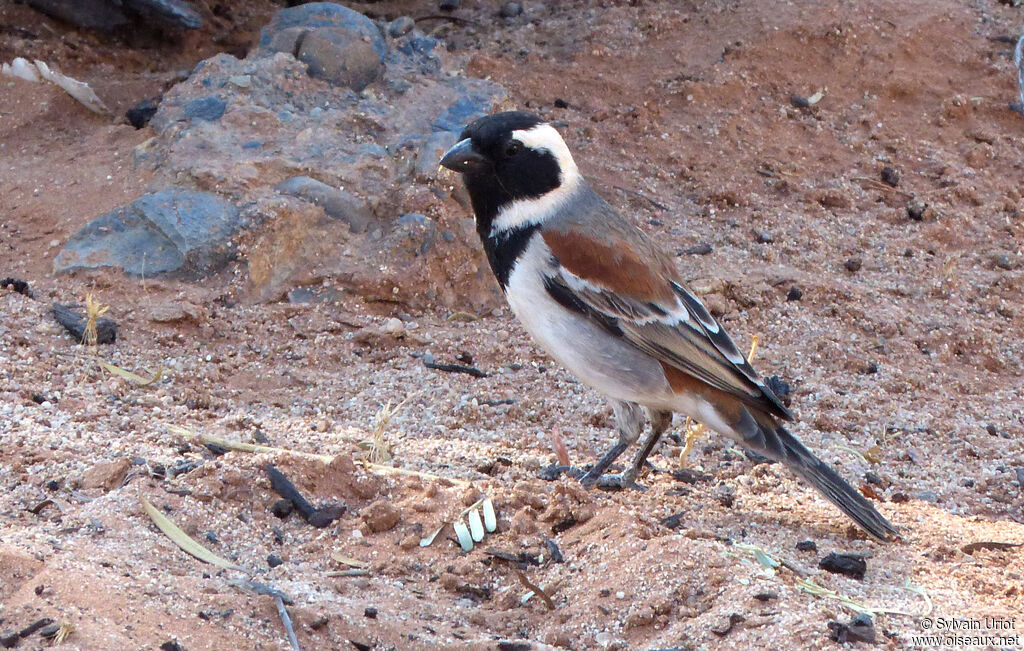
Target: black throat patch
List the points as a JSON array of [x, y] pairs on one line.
[[504, 248]]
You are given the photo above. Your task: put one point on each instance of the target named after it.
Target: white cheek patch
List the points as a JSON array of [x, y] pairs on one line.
[[525, 212]]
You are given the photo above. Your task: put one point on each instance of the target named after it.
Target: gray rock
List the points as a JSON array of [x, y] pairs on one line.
[[103, 15], [401, 26], [417, 229], [307, 17], [429, 155], [339, 45], [337, 204], [170, 12], [341, 57], [107, 15], [473, 101], [511, 10], [165, 231], [205, 108]]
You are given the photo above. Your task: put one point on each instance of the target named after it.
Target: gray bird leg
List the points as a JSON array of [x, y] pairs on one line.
[[629, 419], [660, 421]]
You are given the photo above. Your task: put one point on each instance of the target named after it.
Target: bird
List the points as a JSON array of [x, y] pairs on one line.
[[609, 305]]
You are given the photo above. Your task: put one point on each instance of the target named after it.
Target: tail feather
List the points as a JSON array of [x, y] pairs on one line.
[[777, 443]]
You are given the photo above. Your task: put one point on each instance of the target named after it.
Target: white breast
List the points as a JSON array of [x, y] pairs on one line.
[[607, 363]]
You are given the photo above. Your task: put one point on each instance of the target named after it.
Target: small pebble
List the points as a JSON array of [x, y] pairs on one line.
[[620, 595], [698, 249], [8, 639], [764, 237], [726, 495], [890, 176], [807, 546], [561, 103], [212, 537], [448, 5], [318, 623], [370, 612], [1004, 261], [860, 629], [928, 496], [511, 10], [845, 564], [766, 596], [916, 209], [273, 560], [853, 265], [400, 26], [795, 294], [282, 508], [53, 485], [393, 326]]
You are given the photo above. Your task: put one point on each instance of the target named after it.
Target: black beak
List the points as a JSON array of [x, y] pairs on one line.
[[463, 158]]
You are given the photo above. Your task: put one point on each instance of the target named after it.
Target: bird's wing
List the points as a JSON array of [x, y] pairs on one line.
[[625, 283]]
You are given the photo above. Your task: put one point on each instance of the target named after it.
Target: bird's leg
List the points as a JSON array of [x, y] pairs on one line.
[[629, 419], [660, 421]]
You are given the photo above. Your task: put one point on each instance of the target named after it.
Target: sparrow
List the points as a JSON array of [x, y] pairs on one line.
[[604, 301]]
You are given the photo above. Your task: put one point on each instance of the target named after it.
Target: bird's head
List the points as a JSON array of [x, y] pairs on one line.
[[516, 167]]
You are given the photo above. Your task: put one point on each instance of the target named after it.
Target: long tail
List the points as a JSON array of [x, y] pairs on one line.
[[777, 443]]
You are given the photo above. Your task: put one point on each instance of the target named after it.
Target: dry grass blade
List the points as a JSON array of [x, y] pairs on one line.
[[355, 571], [923, 594], [93, 311], [391, 470], [813, 588], [351, 562], [535, 589], [855, 453], [182, 539], [380, 450], [63, 633], [131, 377], [755, 341], [238, 446]]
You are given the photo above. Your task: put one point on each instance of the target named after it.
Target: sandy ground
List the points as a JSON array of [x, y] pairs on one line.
[[906, 366]]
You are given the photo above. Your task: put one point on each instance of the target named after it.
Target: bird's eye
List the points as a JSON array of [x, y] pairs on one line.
[[512, 149]]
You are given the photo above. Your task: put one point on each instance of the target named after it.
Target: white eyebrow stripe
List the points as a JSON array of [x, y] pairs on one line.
[[545, 136], [525, 212]]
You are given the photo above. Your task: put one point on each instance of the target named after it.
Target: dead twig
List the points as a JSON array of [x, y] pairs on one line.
[[287, 621], [535, 589]]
